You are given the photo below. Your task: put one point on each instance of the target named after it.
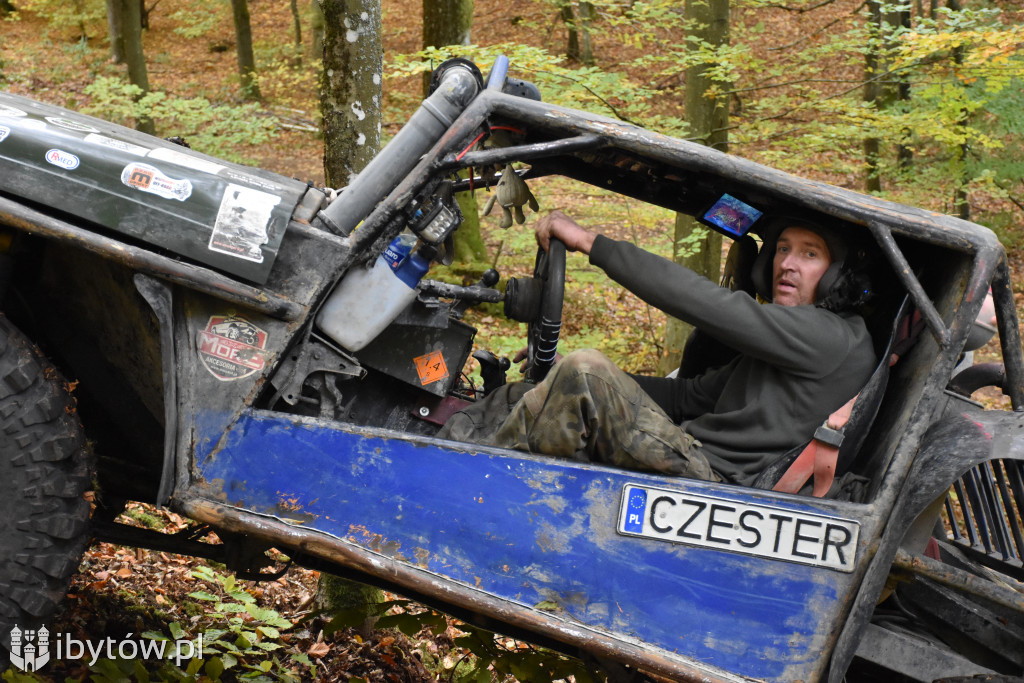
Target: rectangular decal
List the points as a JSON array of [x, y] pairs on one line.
[[182, 159], [747, 528], [251, 180], [242, 220], [71, 124], [149, 179], [114, 143]]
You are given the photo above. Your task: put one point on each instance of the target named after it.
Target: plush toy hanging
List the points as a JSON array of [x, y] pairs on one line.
[[511, 194]]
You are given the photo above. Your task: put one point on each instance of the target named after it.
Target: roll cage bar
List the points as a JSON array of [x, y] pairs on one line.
[[679, 176]]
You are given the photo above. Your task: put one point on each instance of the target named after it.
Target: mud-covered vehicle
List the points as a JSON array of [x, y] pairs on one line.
[[187, 332]]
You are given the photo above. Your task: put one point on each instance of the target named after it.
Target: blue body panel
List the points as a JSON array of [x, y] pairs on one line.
[[532, 530]]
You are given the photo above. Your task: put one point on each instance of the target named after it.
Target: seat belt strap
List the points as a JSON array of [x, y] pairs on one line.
[[819, 457]]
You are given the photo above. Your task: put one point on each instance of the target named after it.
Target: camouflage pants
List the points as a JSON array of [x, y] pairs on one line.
[[586, 409]]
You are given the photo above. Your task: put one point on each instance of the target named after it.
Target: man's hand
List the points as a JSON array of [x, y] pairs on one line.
[[557, 224], [523, 355]]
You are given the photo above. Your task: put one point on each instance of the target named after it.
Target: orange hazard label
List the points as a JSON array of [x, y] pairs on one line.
[[431, 367]]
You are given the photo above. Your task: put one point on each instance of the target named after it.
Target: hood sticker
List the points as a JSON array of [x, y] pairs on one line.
[[71, 124], [251, 180], [231, 347], [149, 179], [114, 143], [11, 111], [182, 159], [4, 132], [242, 220], [59, 157]]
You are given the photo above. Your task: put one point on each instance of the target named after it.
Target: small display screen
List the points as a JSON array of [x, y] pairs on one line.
[[731, 215]]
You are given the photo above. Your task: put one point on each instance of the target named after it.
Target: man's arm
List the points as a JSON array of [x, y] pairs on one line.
[[800, 339]]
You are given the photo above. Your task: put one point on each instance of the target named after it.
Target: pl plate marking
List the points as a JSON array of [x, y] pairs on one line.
[[747, 528]]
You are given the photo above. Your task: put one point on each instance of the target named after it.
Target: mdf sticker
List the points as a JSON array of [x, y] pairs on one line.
[[231, 347]]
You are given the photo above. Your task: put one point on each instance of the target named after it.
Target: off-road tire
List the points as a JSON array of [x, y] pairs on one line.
[[44, 472]]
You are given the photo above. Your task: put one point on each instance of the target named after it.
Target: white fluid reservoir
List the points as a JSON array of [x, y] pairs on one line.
[[368, 299]]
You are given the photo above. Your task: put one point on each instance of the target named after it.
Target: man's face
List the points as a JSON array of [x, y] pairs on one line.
[[801, 258]]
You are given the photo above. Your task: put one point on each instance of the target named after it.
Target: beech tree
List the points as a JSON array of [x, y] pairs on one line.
[[350, 103], [578, 17], [243, 47], [115, 23], [350, 86], [125, 22]]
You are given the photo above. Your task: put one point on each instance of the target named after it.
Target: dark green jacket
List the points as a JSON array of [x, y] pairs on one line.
[[797, 364]]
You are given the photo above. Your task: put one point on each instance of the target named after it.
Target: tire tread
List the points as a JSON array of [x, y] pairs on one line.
[[44, 472]]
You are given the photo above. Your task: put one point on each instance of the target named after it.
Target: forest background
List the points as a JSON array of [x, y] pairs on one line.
[[920, 102]]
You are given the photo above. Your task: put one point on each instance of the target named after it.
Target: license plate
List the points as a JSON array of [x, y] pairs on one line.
[[746, 528]]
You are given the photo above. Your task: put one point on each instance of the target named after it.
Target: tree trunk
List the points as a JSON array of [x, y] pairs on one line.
[[586, 16], [350, 94], [904, 154], [316, 30], [708, 118], [134, 57], [449, 22], [350, 87], [578, 47], [960, 200], [873, 93], [115, 23], [880, 89], [572, 41], [243, 42], [296, 20]]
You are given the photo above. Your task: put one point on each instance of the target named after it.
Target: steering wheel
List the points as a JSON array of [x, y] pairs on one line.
[[542, 331]]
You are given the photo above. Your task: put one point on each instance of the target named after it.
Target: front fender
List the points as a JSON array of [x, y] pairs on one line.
[[963, 437], [959, 441]]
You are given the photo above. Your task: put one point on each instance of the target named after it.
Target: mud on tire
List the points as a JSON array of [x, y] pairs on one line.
[[44, 520]]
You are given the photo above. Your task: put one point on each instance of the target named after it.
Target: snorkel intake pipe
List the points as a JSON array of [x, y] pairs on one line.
[[458, 81]]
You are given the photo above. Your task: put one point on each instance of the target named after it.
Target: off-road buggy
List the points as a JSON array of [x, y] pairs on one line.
[[159, 305]]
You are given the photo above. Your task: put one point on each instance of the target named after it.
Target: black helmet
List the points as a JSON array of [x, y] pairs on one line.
[[844, 285]]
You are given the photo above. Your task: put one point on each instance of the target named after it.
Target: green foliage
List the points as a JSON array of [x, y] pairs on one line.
[[283, 79], [240, 642], [88, 16], [224, 130], [198, 19], [610, 93]]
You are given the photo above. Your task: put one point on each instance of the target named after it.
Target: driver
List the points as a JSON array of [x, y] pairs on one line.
[[801, 357]]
